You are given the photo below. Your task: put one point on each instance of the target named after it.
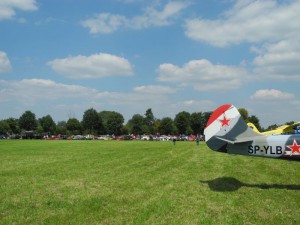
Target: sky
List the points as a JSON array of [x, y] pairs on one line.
[[62, 57]]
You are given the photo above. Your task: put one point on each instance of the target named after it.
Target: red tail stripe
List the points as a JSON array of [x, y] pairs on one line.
[[218, 112]]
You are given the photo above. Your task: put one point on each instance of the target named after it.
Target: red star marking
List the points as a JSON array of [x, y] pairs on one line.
[[294, 148], [225, 121]]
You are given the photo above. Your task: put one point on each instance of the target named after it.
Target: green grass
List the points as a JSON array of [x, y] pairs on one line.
[[136, 182]]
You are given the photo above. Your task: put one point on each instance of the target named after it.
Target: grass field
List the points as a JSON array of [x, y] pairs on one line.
[[140, 182]]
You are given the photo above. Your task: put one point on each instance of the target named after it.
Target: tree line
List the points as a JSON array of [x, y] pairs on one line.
[[111, 122]]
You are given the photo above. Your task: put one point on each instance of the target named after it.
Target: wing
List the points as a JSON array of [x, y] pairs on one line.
[[290, 128]]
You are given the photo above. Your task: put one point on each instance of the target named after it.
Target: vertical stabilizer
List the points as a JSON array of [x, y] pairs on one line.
[[224, 126]]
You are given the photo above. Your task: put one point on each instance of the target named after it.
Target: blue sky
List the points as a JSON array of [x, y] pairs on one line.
[[62, 57]]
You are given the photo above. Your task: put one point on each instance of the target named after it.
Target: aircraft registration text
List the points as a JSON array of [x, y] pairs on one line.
[[265, 149]]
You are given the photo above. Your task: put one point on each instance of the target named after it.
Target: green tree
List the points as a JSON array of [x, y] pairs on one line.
[[125, 129], [156, 126], [104, 117], [39, 129], [204, 119], [14, 125], [135, 124], [91, 121], [114, 123], [196, 122], [27, 121], [272, 127], [47, 124], [4, 127], [290, 123], [149, 120], [253, 119], [244, 113], [182, 122], [61, 127], [145, 129], [74, 126], [166, 126]]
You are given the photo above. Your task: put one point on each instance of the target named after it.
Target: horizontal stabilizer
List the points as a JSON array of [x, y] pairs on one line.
[[239, 140]]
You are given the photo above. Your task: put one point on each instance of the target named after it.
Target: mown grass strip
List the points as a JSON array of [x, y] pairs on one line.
[[139, 182]]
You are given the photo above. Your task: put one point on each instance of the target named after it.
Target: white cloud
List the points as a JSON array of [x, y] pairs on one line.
[[272, 25], [4, 63], [279, 61], [105, 23], [154, 89], [271, 95], [47, 97], [30, 91], [152, 17], [248, 21], [274, 106], [94, 66], [202, 75], [8, 7], [194, 106], [63, 98]]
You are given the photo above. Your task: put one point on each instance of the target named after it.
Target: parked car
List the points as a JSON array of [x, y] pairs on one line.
[[78, 137], [119, 138], [14, 136], [192, 138], [145, 138], [89, 137], [183, 138], [108, 138], [164, 138]]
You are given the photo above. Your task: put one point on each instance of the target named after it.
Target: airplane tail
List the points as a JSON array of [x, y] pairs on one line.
[[226, 127]]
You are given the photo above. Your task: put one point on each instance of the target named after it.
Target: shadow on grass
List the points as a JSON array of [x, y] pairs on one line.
[[231, 184]]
